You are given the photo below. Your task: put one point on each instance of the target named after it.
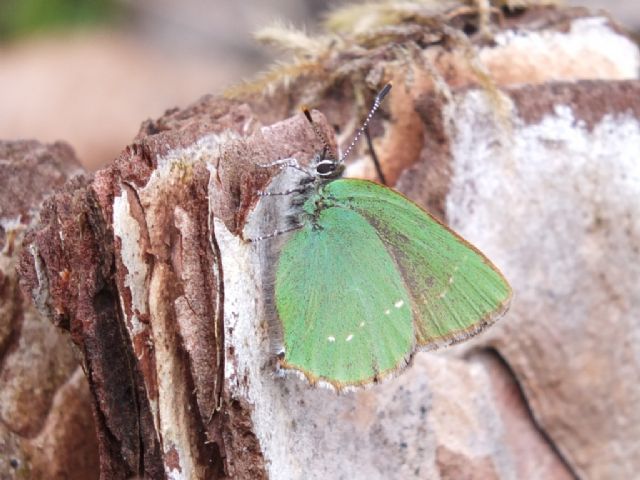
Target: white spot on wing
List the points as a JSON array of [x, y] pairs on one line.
[[399, 304], [349, 338], [331, 338]]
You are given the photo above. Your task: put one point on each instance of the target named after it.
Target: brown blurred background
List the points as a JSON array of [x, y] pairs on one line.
[[89, 71]]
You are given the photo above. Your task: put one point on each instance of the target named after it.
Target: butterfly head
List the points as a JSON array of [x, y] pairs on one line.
[[325, 164], [327, 167]]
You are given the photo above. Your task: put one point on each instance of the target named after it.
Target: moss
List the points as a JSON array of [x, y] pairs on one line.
[[22, 17]]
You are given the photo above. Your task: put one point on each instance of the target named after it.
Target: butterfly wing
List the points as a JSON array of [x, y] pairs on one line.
[[345, 311], [455, 291]]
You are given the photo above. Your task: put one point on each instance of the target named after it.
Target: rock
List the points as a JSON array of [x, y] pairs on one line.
[[569, 242], [46, 428]]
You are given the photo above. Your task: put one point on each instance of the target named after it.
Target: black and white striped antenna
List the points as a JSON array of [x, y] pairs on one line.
[[327, 153], [376, 104]]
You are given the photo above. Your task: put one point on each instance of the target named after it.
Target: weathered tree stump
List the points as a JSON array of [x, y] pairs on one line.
[[525, 141]]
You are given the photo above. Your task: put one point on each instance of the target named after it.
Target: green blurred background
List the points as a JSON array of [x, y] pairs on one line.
[[89, 71]]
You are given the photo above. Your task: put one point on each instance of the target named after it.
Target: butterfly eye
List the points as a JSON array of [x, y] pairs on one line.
[[326, 167]]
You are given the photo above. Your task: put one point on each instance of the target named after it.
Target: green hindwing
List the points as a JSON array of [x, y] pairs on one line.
[[344, 308]]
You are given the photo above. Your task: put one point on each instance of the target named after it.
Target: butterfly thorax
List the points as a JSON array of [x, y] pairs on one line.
[[306, 205], [322, 171]]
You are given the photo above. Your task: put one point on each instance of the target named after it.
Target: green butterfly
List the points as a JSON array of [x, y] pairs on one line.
[[368, 277]]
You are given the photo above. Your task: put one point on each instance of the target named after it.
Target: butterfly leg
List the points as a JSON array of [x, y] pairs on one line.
[[286, 192], [276, 233], [287, 163], [283, 162]]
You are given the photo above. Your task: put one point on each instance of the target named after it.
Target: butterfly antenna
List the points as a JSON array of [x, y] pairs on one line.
[[376, 104], [326, 149]]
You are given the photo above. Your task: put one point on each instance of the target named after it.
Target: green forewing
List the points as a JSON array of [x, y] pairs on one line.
[[376, 276], [454, 289], [344, 309]]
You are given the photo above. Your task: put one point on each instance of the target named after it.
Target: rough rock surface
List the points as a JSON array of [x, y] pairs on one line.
[[569, 240], [169, 307], [46, 429]]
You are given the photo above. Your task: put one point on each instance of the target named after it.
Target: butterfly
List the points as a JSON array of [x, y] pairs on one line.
[[366, 277]]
